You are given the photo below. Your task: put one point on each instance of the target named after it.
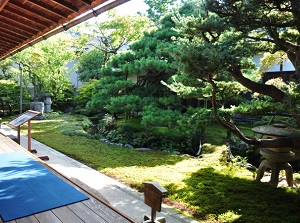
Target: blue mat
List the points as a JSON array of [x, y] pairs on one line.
[[27, 187]]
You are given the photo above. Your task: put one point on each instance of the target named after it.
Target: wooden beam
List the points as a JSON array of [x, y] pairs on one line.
[[66, 5], [14, 30], [5, 31], [29, 135], [31, 11], [88, 2], [2, 4], [48, 8], [31, 40], [26, 16], [4, 45], [18, 22], [9, 40], [19, 26]]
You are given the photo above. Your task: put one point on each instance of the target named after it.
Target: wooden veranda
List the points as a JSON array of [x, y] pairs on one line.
[[92, 210]]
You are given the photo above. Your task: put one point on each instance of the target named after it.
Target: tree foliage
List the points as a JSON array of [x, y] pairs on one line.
[[124, 104], [205, 52], [220, 37], [117, 33], [272, 25], [8, 72], [151, 61], [106, 89], [44, 65], [159, 8], [10, 96], [85, 93], [90, 64], [144, 66]]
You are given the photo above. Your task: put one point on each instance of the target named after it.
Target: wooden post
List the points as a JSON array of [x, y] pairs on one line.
[[19, 135], [153, 198], [20, 120], [29, 134], [29, 137]]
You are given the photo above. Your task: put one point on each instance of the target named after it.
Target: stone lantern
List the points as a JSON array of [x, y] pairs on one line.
[[276, 158], [47, 102]]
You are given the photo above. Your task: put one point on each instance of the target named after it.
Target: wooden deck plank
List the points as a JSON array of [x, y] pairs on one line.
[[7, 221], [66, 215], [105, 212], [47, 217], [88, 190], [29, 219], [86, 213], [7, 145]]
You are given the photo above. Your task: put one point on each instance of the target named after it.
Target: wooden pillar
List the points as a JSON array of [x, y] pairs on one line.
[[19, 135], [29, 135]]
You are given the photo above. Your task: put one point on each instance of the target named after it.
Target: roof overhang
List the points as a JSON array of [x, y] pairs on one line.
[[23, 23]]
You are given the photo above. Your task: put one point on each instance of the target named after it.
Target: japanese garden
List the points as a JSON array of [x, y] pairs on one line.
[[187, 94]]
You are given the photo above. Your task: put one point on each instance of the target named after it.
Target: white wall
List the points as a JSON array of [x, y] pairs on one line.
[[287, 65], [74, 76]]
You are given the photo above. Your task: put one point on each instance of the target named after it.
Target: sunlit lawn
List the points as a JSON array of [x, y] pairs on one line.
[[206, 187]]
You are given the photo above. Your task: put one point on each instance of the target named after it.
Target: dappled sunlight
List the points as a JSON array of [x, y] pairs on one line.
[[208, 148], [212, 153], [40, 128], [223, 197], [47, 121], [135, 175], [207, 187], [36, 131], [229, 216], [170, 169]]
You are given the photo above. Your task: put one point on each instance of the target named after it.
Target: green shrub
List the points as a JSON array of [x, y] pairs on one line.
[[243, 152], [130, 131], [72, 130], [53, 114], [265, 120], [78, 126], [115, 136]]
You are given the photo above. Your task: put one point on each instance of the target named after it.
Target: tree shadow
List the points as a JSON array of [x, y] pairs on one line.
[[212, 194]]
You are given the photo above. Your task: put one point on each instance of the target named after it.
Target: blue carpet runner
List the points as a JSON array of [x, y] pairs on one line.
[[27, 187]]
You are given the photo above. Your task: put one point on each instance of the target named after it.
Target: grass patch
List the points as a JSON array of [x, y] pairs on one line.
[[203, 187]]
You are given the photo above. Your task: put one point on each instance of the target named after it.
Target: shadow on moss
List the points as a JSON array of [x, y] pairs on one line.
[[212, 195]]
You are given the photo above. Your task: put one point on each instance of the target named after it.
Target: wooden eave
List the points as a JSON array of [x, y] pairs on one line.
[[26, 22]]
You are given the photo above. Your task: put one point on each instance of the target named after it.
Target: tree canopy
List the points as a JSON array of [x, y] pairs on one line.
[[221, 37], [9, 95], [116, 33], [44, 68], [201, 51]]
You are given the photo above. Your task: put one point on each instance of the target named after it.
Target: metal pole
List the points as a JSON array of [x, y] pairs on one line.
[[21, 88]]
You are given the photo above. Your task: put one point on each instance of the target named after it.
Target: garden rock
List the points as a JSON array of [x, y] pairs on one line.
[[143, 149], [188, 155], [40, 117], [104, 140]]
